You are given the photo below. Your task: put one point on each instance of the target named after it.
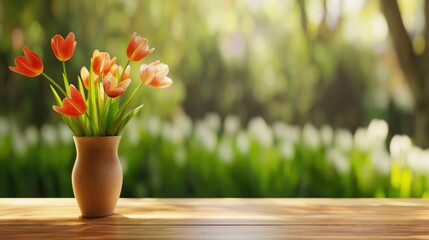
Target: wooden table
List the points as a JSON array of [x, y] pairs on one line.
[[219, 219]]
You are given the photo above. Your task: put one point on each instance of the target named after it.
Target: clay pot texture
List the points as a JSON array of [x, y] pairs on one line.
[[97, 175]]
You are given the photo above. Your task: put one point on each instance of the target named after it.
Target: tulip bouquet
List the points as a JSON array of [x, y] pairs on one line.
[[95, 109]]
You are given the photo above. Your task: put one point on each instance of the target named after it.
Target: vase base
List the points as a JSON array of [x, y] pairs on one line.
[[95, 216]]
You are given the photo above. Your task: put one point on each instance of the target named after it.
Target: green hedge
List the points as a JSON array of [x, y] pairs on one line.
[[215, 158]]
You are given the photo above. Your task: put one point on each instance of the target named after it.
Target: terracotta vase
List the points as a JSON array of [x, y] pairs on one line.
[[97, 175]]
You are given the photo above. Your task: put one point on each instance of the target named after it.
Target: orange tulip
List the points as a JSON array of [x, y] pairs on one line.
[[63, 48], [138, 48], [84, 74], [155, 75], [73, 106], [101, 62], [117, 70], [29, 65], [111, 86]]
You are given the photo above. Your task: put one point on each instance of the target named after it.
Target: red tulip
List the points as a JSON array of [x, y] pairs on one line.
[[155, 75], [101, 62], [138, 48], [73, 106], [29, 65], [111, 86], [63, 48]]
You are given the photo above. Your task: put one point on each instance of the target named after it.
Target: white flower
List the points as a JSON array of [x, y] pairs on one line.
[[184, 123], [153, 125], [399, 145], [260, 131], [65, 134], [49, 135], [231, 125], [378, 130], [225, 152], [279, 130], [133, 131], [285, 132], [287, 150], [381, 161], [242, 142], [340, 162], [361, 140], [20, 144], [343, 139], [206, 135], [172, 133], [327, 135], [212, 120], [418, 160], [32, 135], [311, 136]]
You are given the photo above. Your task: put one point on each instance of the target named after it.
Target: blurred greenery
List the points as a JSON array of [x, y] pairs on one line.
[[324, 63], [211, 157]]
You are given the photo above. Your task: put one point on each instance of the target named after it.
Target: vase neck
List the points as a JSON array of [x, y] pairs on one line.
[[97, 145]]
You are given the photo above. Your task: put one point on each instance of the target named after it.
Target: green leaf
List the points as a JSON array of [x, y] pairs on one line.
[[119, 124], [81, 87]]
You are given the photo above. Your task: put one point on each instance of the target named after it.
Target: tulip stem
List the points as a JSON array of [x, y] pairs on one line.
[[66, 80], [55, 84], [123, 70]]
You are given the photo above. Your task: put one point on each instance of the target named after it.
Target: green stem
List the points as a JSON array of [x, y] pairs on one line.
[[123, 70], [55, 84], [66, 80]]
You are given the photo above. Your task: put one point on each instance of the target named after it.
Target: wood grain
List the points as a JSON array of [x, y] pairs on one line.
[[219, 219]]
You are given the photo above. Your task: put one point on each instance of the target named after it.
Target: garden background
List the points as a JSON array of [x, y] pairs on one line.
[[275, 98]]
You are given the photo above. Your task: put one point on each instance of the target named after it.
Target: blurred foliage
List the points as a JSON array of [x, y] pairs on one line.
[[241, 57], [215, 158]]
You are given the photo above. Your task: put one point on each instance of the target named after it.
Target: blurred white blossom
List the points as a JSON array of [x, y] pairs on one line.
[[343, 139], [418, 160], [242, 142], [310, 136], [32, 135], [65, 134], [153, 125], [206, 136], [184, 123], [261, 132], [327, 135], [377, 132], [340, 162], [399, 146], [20, 143], [213, 121], [49, 135], [287, 150], [361, 140], [225, 151], [231, 125], [133, 133], [172, 133], [381, 161], [285, 132]]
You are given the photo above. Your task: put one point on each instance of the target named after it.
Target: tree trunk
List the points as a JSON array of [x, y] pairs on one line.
[[414, 66]]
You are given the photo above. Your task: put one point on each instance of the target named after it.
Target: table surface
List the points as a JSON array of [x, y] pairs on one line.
[[59, 218]]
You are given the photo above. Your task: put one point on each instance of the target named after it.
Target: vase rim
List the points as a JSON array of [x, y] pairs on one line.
[[118, 136]]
